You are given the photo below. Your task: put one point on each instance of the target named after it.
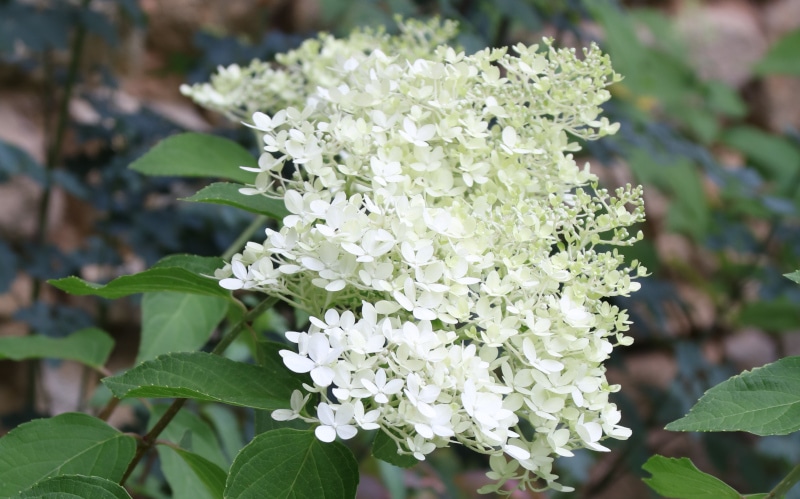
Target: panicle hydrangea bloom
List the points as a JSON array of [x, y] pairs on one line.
[[453, 255]]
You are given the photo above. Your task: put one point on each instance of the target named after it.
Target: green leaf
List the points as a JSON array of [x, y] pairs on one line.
[[776, 316], [226, 423], [776, 156], [385, 449], [191, 475], [177, 322], [198, 155], [290, 463], [202, 439], [154, 279], [198, 469], [764, 401], [67, 444], [795, 276], [782, 57], [75, 487], [203, 376], [680, 479], [89, 346], [204, 265], [228, 194]]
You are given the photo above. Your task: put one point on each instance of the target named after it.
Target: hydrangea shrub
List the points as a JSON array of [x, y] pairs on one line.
[[453, 255]]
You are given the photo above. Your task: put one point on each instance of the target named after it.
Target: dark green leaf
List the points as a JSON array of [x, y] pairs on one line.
[[680, 479], [385, 449], [204, 265], [89, 346], [228, 194], [777, 316], [782, 57], [177, 322], [288, 463], [67, 444], [75, 487], [776, 156], [154, 279], [764, 401], [204, 376], [198, 155]]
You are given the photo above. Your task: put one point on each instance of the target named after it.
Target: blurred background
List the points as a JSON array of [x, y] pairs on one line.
[[710, 113]]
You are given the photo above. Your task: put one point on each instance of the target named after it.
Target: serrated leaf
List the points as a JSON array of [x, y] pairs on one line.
[[67, 444], [764, 401], [794, 276], [89, 346], [75, 487], [782, 57], [286, 463], [198, 155], [385, 449], [203, 265], [680, 479], [177, 322], [203, 376], [228, 194], [153, 279]]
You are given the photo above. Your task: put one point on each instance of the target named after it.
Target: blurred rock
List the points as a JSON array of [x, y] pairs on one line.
[[724, 39], [750, 348]]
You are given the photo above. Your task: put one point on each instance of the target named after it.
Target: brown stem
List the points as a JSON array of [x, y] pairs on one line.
[[233, 331]]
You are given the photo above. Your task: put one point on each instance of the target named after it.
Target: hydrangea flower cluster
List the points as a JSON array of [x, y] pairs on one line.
[[453, 255]]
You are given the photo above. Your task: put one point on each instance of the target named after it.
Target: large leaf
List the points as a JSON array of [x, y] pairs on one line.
[[385, 449], [204, 376], [680, 479], [782, 57], [288, 463], [67, 444], [794, 276], [177, 322], [154, 279], [75, 487], [198, 155], [228, 194], [764, 401], [196, 470], [90, 346]]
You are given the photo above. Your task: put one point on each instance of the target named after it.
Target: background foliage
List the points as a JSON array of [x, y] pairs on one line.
[[100, 78]]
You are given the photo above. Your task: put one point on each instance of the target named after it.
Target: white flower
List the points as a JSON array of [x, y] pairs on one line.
[[443, 239], [380, 388], [297, 402], [335, 421], [318, 361]]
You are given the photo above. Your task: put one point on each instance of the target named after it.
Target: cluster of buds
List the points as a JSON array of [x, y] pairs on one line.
[[453, 255]]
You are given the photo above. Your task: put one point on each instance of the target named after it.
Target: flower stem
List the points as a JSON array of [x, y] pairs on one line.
[[227, 338], [54, 148], [244, 237], [785, 485]]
